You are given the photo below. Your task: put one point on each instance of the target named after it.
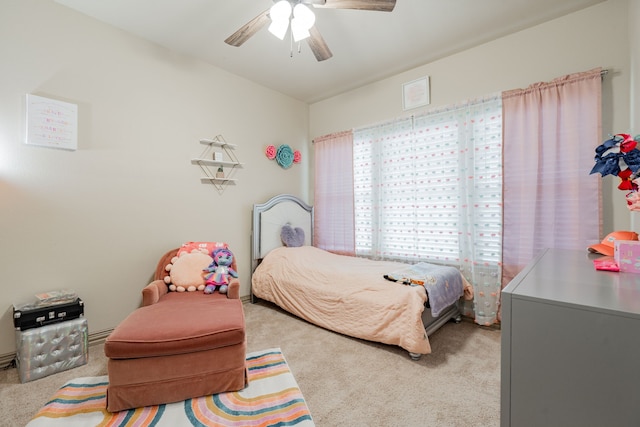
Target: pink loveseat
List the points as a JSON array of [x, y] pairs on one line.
[[178, 345]]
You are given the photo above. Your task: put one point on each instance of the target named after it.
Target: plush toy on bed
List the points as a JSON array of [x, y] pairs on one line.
[[219, 271], [292, 237]]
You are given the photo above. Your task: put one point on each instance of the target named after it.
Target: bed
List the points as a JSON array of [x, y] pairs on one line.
[[346, 294]]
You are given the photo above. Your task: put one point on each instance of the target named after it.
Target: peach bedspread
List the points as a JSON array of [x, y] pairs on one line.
[[344, 294]]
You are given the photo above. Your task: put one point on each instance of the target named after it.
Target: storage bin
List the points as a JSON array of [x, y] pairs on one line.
[[51, 349]]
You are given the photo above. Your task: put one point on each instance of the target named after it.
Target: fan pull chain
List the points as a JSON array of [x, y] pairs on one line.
[[291, 45]]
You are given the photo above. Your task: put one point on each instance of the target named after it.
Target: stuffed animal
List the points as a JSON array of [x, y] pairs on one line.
[[292, 237], [219, 271]]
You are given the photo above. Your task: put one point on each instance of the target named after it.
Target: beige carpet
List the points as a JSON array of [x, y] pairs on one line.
[[344, 380]]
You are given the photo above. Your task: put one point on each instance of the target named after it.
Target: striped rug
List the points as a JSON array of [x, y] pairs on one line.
[[271, 399]]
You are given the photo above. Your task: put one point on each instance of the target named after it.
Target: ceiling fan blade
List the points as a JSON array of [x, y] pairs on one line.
[[377, 5], [318, 45], [248, 30]]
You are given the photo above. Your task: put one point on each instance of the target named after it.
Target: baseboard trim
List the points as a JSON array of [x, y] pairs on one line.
[[6, 360], [99, 337]]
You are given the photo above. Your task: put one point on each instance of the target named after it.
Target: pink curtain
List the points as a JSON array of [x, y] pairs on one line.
[[550, 132], [334, 228]]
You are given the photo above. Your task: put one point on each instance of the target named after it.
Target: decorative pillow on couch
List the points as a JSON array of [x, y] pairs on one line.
[[204, 247], [185, 272]]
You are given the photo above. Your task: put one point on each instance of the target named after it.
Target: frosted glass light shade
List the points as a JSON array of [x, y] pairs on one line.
[[280, 11], [279, 28], [280, 14], [303, 20]]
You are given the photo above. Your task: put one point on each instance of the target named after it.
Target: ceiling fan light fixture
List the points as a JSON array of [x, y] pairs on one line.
[[279, 28], [299, 31], [280, 11], [303, 20], [280, 14]]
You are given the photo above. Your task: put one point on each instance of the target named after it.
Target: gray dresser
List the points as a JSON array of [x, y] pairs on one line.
[[570, 345]]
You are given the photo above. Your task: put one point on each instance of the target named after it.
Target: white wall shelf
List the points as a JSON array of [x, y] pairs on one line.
[[227, 180], [218, 156], [210, 162]]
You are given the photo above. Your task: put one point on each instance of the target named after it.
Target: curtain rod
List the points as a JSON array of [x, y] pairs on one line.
[[603, 73]]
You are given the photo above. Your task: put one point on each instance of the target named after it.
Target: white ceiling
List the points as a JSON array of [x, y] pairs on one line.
[[366, 45]]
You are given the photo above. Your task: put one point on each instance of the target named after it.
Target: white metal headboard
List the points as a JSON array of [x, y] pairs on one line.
[[268, 219]]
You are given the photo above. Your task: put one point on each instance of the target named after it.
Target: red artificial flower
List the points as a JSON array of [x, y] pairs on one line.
[[627, 144], [297, 156], [626, 182]]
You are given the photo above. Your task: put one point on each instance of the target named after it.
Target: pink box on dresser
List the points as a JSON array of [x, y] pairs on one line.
[[627, 255]]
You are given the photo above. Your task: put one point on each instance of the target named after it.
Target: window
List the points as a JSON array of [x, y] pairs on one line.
[[429, 187], [425, 188]]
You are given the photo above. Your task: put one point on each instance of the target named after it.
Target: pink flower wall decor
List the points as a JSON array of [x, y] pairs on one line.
[[271, 152], [283, 155]]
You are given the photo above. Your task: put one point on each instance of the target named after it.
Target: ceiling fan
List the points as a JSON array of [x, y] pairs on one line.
[[314, 38]]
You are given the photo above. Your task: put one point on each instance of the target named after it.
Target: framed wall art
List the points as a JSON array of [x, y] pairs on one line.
[[51, 123]]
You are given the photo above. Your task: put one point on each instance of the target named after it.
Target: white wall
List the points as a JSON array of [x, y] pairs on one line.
[[595, 37], [97, 219]]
